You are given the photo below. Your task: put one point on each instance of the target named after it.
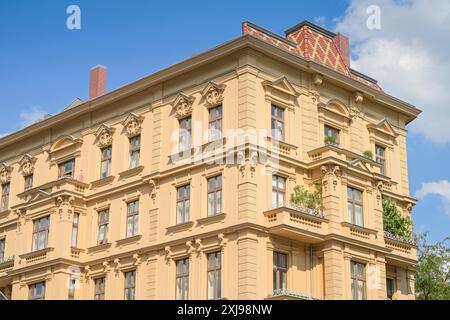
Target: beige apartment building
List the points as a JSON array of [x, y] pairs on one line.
[[178, 185]]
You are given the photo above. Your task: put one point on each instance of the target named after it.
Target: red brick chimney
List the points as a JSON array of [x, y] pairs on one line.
[[97, 86], [343, 46]]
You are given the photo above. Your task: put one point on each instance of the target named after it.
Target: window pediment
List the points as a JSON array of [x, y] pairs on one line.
[[182, 106], [357, 163], [133, 124], [5, 173], [383, 127], [104, 136], [336, 107], [27, 164], [213, 94], [64, 142], [281, 92]]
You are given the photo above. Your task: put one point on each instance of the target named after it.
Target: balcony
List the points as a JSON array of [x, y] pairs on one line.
[[358, 232], [36, 256], [297, 223], [286, 294], [400, 248], [6, 263]]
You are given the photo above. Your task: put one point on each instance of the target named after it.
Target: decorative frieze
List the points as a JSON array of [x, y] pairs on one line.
[[27, 165], [5, 173]]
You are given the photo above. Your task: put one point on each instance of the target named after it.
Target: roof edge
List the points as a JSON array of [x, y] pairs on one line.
[[313, 26]]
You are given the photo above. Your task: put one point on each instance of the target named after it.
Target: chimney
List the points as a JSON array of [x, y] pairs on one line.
[[97, 86], [343, 46]]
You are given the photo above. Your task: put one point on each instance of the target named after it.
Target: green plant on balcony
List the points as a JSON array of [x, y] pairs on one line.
[[330, 140], [306, 199], [368, 154], [394, 222]]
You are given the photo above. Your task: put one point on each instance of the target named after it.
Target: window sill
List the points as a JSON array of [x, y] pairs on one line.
[[4, 213], [129, 240], [99, 247], [179, 227], [102, 182], [211, 219], [131, 172]]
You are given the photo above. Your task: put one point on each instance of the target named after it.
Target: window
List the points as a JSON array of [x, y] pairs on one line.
[[380, 157], [132, 218], [277, 123], [75, 221], [135, 151], [130, 285], [37, 291], [215, 123], [67, 169], [278, 191], [72, 286], [99, 293], [185, 135], [279, 270], [354, 206], [5, 197], [183, 203], [214, 195], [358, 280], [182, 279], [331, 132], [103, 224], [28, 182], [105, 167], [40, 233], [2, 250], [390, 288], [215, 275]]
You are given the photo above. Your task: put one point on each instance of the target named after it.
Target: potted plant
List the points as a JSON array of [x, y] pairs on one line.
[[368, 154], [330, 140]]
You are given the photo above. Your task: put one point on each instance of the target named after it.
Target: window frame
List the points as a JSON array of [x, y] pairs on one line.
[[128, 286], [2, 249], [107, 161], [182, 277], [393, 288], [216, 270], [279, 191], [215, 191], [102, 223], [354, 203], [279, 271], [186, 199], [215, 121], [355, 278], [133, 217], [38, 231], [329, 128], [27, 183], [32, 296], [62, 173], [135, 149], [99, 293], [275, 119], [185, 132], [381, 158], [75, 229]]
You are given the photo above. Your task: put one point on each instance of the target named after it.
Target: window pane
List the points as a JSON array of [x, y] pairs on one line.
[[358, 215], [211, 204], [219, 202]]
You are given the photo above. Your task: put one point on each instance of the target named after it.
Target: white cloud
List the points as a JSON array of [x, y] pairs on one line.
[[31, 116], [440, 188], [408, 55]]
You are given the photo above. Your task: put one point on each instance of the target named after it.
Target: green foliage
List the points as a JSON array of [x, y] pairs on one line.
[[432, 279], [330, 140], [368, 154], [394, 222], [309, 200]]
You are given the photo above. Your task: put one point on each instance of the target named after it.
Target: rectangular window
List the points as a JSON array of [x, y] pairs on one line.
[[183, 203], [214, 195], [380, 157], [132, 218], [215, 123], [130, 285], [99, 293], [355, 206], [37, 291], [40, 233], [72, 286], [278, 191], [279, 270], [103, 224], [332, 132], [390, 288], [66, 169], [105, 167], [358, 275], [75, 222], [215, 275], [185, 134], [135, 151], [182, 279], [28, 182], [277, 123], [2, 250], [5, 196]]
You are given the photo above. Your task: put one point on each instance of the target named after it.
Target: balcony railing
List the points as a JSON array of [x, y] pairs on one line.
[[299, 208], [6, 262], [394, 237]]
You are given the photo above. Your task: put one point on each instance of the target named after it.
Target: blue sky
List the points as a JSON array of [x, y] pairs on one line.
[[44, 66]]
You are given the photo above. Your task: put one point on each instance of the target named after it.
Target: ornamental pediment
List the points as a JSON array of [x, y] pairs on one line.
[[213, 94], [182, 106], [5, 173], [104, 136], [27, 164], [133, 125], [384, 127]]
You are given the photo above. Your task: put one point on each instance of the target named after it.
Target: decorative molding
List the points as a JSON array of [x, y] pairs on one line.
[[222, 240], [5, 173], [182, 106], [330, 172], [383, 126], [106, 267], [317, 79], [133, 125], [198, 246], [104, 136], [280, 92], [213, 94], [136, 260], [26, 165], [189, 247], [168, 253]]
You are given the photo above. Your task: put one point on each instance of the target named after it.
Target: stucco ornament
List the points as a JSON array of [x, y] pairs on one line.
[[104, 136], [27, 165], [133, 125], [355, 109], [5, 173], [182, 106], [213, 94]]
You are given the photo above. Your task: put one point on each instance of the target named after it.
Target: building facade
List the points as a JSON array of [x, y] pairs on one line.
[[178, 185]]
